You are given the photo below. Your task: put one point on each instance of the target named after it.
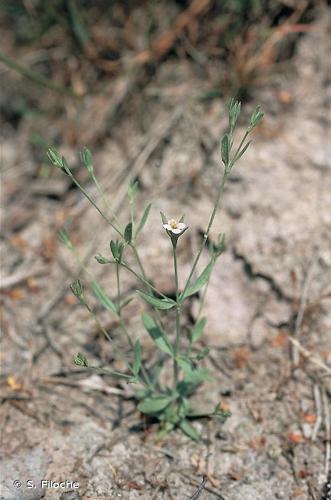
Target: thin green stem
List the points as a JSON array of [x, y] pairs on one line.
[[178, 310], [105, 371], [202, 300], [140, 264], [147, 382], [232, 162], [104, 199], [146, 282], [210, 223], [98, 322], [110, 222], [143, 280], [146, 379], [132, 214], [85, 193], [126, 331], [175, 271], [118, 288]]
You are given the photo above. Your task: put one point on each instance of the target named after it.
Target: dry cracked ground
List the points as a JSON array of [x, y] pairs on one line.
[[268, 304]]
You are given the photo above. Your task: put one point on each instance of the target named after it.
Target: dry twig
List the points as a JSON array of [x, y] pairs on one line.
[[21, 275], [327, 432], [307, 354], [317, 397], [201, 487], [301, 312]]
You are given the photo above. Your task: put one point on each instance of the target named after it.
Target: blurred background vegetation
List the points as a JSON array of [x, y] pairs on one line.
[[74, 49]]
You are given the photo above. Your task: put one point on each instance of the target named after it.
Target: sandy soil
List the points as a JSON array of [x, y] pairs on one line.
[[268, 303]]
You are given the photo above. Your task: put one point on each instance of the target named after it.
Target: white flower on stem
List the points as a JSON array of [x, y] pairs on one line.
[[174, 227]]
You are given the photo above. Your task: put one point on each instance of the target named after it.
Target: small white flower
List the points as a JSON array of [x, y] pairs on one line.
[[175, 227]]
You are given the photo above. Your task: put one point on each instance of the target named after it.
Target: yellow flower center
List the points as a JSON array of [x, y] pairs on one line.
[[173, 224]]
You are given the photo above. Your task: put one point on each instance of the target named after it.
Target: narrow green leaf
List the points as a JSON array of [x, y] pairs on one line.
[[164, 219], [77, 289], [117, 248], [143, 219], [197, 330], [225, 149], [154, 405], [103, 298], [101, 259], [126, 302], [256, 117], [200, 282], [128, 233], [64, 238], [158, 336], [54, 157], [132, 190], [193, 373], [157, 303], [86, 156], [137, 358], [244, 149], [234, 112], [189, 430], [113, 249], [80, 360]]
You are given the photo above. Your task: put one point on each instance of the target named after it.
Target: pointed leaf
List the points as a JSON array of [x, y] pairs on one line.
[[189, 430], [143, 219], [86, 156], [200, 282], [80, 359], [158, 336], [113, 249], [234, 112], [126, 302], [244, 149], [64, 238], [103, 298], [256, 117], [132, 190], [197, 330], [225, 148], [157, 303], [137, 358], [155, 404], [77, 289], [101, 259], [57, 160], [164, 219], [193, 373], [128, 233]]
